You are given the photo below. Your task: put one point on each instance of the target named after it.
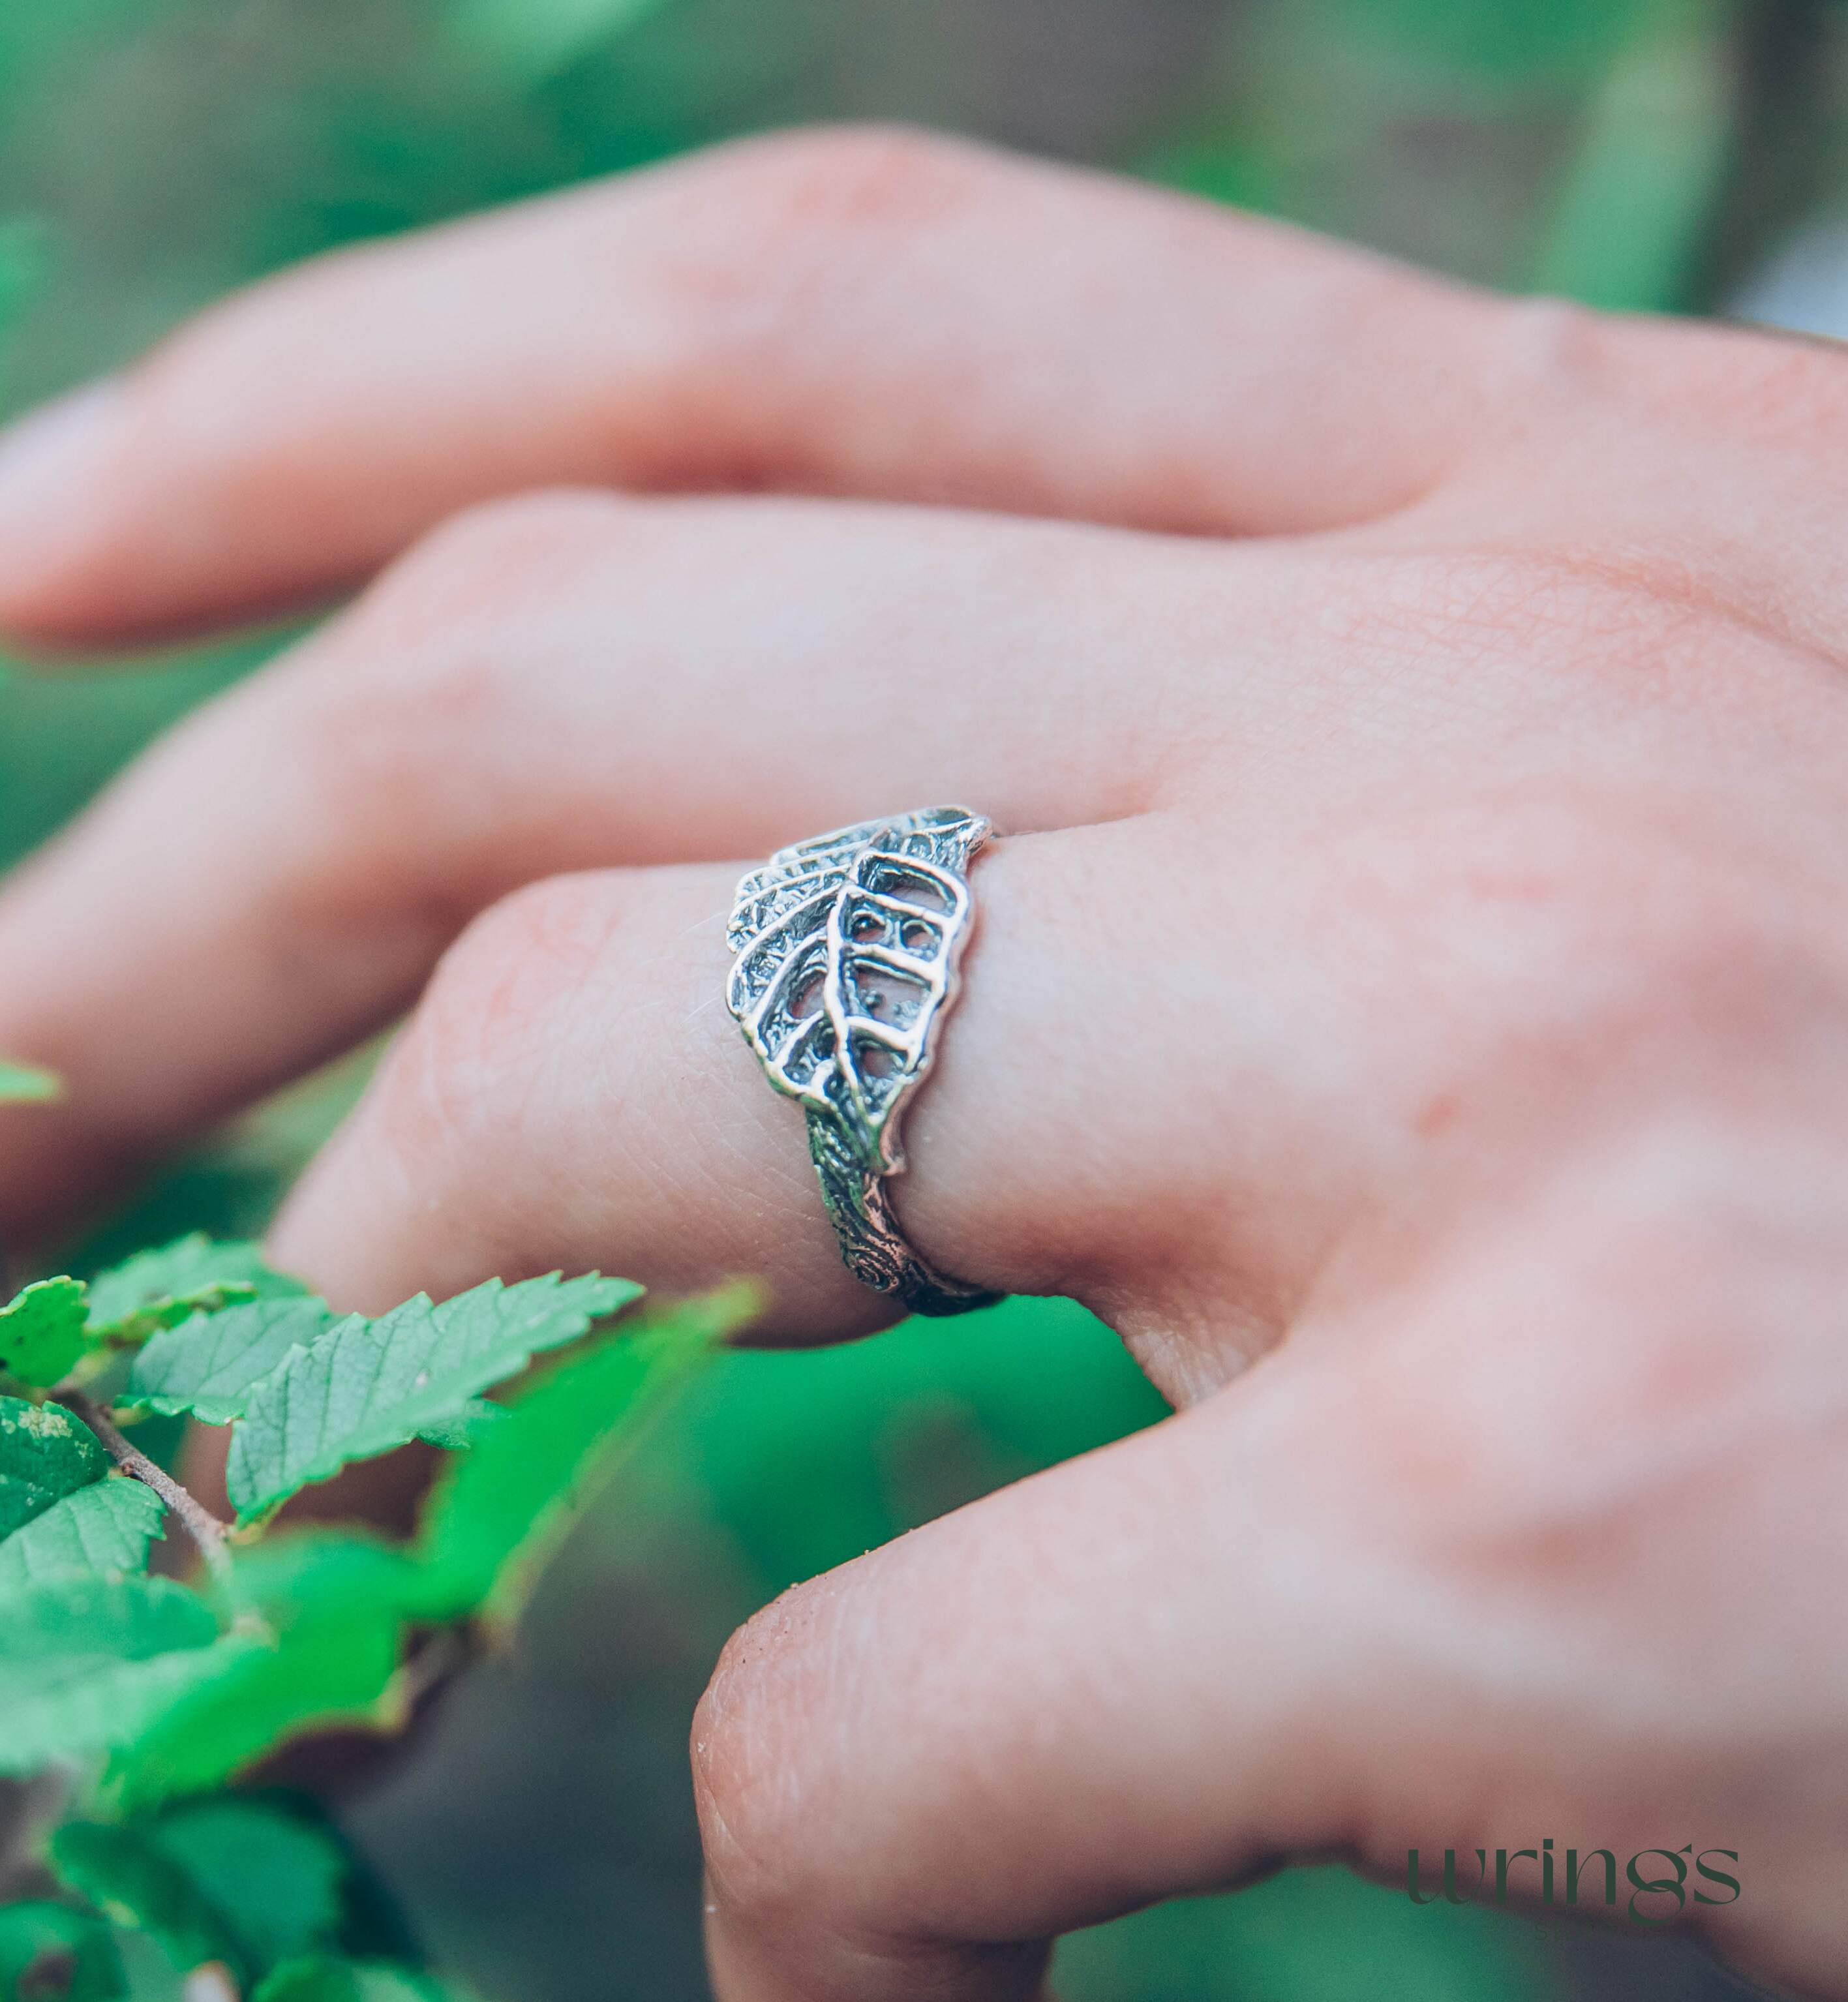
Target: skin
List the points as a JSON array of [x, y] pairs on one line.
[[1411, 1005]]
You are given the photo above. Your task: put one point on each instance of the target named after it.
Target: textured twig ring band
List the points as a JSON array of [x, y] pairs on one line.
[[847, 950]]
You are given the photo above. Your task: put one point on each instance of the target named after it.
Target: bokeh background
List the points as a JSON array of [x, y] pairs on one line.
[[1657, 155]]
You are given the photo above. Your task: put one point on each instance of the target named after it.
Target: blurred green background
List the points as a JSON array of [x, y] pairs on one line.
[[1642, 153]]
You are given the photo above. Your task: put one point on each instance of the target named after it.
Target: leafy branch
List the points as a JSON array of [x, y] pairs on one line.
[[200, 1523], [160, 1695]]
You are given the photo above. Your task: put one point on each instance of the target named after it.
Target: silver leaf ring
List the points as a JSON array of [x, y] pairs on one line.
[[849, 953]]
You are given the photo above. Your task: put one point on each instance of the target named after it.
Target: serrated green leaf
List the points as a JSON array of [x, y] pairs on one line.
[[161, 1289], [275, 1879], [103, 1530], [331, 1662], [212, 1364], [20, 1085], [34, 1936], [334, 1980], [501, 1511], [84, 1664], [366, 1387], [46, 1452], [135, 1883], [42, 1333]]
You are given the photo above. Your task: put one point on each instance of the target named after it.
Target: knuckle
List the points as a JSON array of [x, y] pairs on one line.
[[788, 238], [460, 1076], [1554, 362], [816, 184], [1598, 925], [485, 565], [1569, 612], [399, 715], [1546, 351], [378, 759]]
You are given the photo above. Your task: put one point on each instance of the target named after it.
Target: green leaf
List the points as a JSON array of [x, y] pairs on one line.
[[103, 1529], [42, 1333], [36, 1937], [161, 1289], [307, 1574], [332, 1980], [502, 1511], [84, 1664], [241, 1883], [467, 1427], [338, 1604], [19, 1086], [46, 1454], [211, 1364], [334, 1670], [125, 1876], [275, 1878], [368, 1386]]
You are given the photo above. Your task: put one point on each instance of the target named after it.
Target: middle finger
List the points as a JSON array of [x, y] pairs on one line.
[[565, 682]]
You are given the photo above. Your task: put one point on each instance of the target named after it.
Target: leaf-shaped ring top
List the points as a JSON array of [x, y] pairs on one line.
[[848, 951]]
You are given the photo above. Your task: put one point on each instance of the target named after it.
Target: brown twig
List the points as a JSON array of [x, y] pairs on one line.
[[199, 1523]]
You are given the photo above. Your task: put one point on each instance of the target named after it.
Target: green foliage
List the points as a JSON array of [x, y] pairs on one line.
[[211, 1363], [277, 1879], [50, 1950], [333, 1667], [102, 1530], [465, 1427], [161, 1695], [239, 1882], [365, 1387], [86, 1665], [194, 1275], [125, 1875], [44, 1332], [45, 1454], [499, 1514], [329, 1980]]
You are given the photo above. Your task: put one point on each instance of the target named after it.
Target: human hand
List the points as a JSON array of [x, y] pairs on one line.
[[1412, 1008]]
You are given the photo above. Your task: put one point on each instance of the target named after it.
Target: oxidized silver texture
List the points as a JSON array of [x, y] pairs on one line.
[[848, 951]]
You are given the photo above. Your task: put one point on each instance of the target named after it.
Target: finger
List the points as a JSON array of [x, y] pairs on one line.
[[1114, 1683], [572, 1093], [865, 313], [1400, 1587], [555, 683]]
